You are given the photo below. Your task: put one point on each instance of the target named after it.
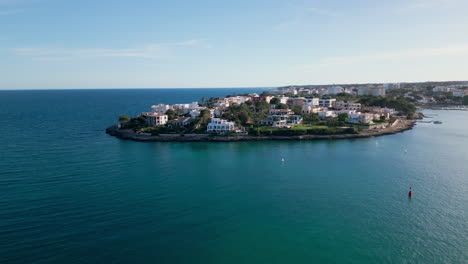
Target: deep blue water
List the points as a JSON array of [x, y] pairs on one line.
[[69, 193]]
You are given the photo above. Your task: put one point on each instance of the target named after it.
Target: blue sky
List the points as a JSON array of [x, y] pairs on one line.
[[53, 44]]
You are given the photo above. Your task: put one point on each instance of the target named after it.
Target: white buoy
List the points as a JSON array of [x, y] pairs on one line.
[[282, 159]]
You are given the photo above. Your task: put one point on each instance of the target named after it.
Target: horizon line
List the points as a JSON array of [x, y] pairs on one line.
[[232, 87]]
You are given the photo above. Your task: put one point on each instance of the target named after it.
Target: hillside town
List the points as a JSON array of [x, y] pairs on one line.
[[283, 111], [424, 94]]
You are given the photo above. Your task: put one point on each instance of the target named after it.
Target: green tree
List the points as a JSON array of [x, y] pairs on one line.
[[281, 106], [275, 101], [123, 118], [172, 114], [343, 117], [311, 118], [297, 110]]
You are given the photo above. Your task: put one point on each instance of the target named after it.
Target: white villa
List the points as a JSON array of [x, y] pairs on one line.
[[348, 106], [282, 118], [360, 118], [312, 102], [155, 119], [458, 93], [306, 109], [327, 102], [221, 126], [441, 89], [160, 108], [185, 107], [335, 90], [326, 114]]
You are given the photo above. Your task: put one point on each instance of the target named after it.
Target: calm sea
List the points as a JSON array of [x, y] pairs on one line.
[[69, 193]]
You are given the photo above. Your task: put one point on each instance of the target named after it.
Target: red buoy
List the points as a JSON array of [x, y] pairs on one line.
[[410, 193]]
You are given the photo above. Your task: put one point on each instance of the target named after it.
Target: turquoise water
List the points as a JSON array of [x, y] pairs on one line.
[[71, 194]]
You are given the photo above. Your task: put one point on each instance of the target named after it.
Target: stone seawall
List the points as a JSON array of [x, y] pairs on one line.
[[130, 135]]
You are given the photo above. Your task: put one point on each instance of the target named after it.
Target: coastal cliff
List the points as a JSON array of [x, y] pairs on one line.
[[126, 134]]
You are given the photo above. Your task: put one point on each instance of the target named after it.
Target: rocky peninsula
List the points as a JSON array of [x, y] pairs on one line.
[[128, 134], [285, 115]]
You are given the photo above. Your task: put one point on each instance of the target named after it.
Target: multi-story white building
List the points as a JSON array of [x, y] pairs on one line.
[[326, 114], [458, 93], [306, 109], [181, 121], [348, 105], [360, 118], [155, 119], [283, 99], [194, 113], [281, 118], [221, 126], [296, 101], [185, 107], [238, 99], [280, 112], [160, 108], [312, 102], [327, 102], [441, 89], [390, 86], [335, 90], [322, 91], [379, 110]]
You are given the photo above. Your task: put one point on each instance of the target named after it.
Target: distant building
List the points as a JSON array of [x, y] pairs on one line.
[[281, 118], [296, 101], [185, 108], [330, 103], [458, 93], [221, 126], [312, 102], [441, 89], [280, 112], [283, 99], [195, 113], [306, 109], [238, 99], [262, 98], [360, 118], [160, 108], [379, 110], [391, 86], [155, 119], [326, 114], [348, 105], [335, 90], [181, 121], [372, 91]]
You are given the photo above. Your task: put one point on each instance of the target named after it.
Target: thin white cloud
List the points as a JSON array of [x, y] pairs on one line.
[[153, 51], [321, 11], [424, 5], [16, 2], [301, 14], [10, 12], [387, 56]]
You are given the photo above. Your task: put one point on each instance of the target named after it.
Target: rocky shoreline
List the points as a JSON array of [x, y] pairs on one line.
[[403, 125]]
